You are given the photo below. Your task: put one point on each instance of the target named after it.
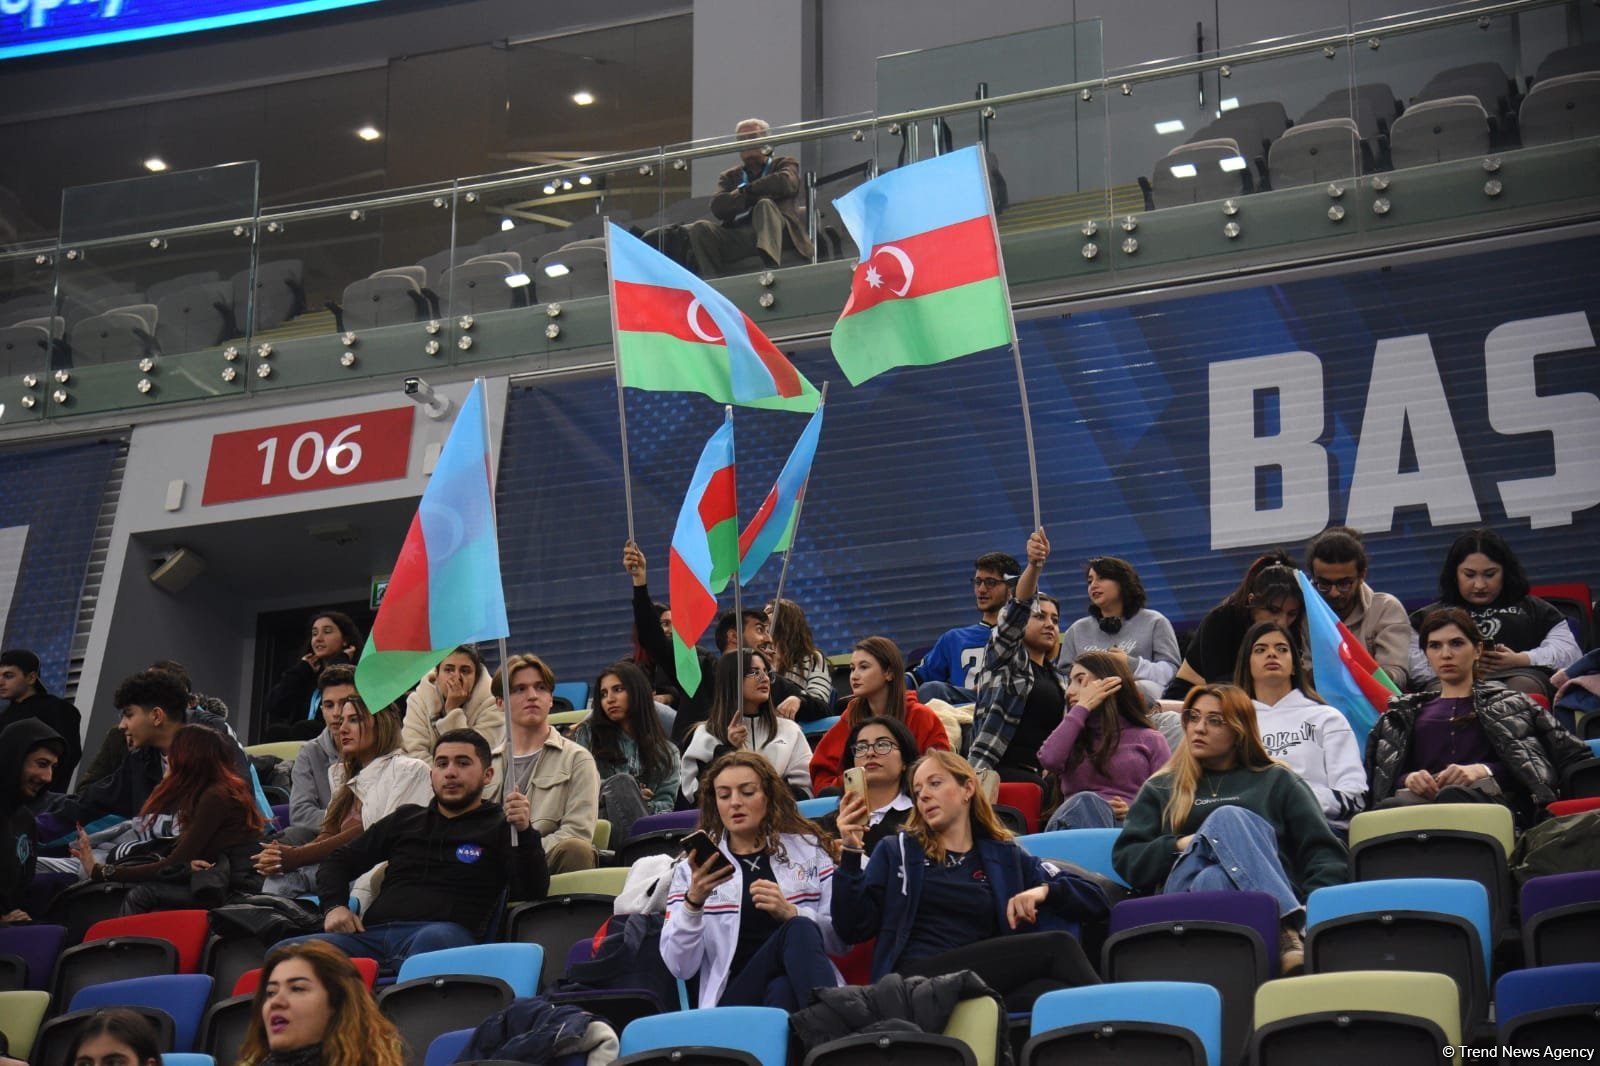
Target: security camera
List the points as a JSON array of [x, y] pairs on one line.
[[433, 404]]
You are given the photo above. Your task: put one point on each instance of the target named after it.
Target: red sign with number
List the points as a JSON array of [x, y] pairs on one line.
[[303, 456]]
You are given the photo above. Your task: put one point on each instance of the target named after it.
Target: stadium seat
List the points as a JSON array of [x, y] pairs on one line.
[[1371, 105], [681, 821], [573, 271], [604, 881], [620, 1007], [751, 1036], [285, 750], [557, 922], [195, 317], [1135, 1021], [1469, 840], [1024, 797], [1549, 1006], [187, 1058], [642, 845], [83, 905], [21, 1014], [439, 991], [182, 995], [248, 981], [1086, 848], [1562, 808], [111, 337], [26, 347], [815, 729], [1581, 780], [384, 299], [1573, 59], [185, 930], [447, 1047], [1315, 153], [477, 287], [1435, 131], [1438, 925], [1398, 1019], [515, 964], [1561, 918], [1487, 82], [1197, 172], [1228, 940], [110, 959], [435, 265], [1573, 598], [563, 719], [38, 946], [277, 291], [819, 807], [602, 834], [574, 692], [970, 1038], [56, 1037], [223, 1028], [1252, 126], [13, 973]]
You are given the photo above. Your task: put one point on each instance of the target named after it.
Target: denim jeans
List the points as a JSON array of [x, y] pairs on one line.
[[1082, 810], [944, 690], [1234, 848], [394, 942]]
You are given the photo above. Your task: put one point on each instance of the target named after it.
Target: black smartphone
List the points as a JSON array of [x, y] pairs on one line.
[[701, 847]]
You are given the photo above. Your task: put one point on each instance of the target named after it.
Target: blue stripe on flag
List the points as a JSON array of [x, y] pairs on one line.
[[924, 196], [791, 479], [1333, 680], [689, 535]]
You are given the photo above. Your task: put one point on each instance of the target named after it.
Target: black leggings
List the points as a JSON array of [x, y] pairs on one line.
[[1020, 968]]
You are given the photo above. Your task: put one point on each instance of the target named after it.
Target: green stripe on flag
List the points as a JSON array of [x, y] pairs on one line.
[[384, 676], [787, 540], [687, 663], [723, 539], [659, 362], [920, 332]]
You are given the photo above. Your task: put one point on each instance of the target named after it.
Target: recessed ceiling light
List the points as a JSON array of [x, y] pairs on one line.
[[155, 164], [369, 133], [556, 270], [584, 179], [566, 184], [1171, 125], [550, 189], [583, 98]]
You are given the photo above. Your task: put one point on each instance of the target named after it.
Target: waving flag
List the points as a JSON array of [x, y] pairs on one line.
[[445, 589], [675, 333], [1345, 673], [705, 551], [772, 528], [928, 287]]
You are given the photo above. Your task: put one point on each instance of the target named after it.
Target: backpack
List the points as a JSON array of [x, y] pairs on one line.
[[1568, 844]]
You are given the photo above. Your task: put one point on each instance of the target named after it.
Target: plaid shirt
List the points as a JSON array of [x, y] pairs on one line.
[[1004, 685]]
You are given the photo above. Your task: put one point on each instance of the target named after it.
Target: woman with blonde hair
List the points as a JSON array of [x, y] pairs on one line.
[[953, 891], [1223, 814], [753, 919], [313, 1009]]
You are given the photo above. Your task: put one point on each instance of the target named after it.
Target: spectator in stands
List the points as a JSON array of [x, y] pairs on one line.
[[311, 788], [556, 775], [743, 718], [290, 712], [757, 205], [29, 753], [1336, 563], [449, 864], [802, 681], [115, 1036], [757, 632], [114, 746], [885, 749], [1268, 593], [454, 695], [219, 830], [1022, 696], [1525, 639], [1469, 741], [20, 684], [372, 779], [639, 766], [753, 921], [878, 689], [950, 670], [1106, 748], [312, 1008], [1223, 814], [652, 636], [1297, 728], [1118, 620], [954, 892]]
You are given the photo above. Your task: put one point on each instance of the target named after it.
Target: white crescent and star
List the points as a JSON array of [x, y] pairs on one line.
[[695, 308], [907, 270]]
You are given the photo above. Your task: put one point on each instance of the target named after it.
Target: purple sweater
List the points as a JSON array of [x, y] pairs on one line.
[[1140, 753]]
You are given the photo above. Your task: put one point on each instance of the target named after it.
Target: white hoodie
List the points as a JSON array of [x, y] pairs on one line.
[[1317, 743], [787, 749]]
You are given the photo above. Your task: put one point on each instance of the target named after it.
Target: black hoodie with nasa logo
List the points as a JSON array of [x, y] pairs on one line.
[[440, 869], [19, 841]]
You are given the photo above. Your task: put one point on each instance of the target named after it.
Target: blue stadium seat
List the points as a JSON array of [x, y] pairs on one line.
[[813, 730], [447, 1047], [515, 964], [1549, 1006], [756, 1035], [182, 995], [1088, 848], [187, 1058], [1143, 1021], [574, 692], [820, 807]]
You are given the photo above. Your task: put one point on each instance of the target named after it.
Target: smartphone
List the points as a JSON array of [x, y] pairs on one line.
[[701, 847], [855, 780]]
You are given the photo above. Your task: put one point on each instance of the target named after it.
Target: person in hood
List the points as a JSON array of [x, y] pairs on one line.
[[878, 688], [1297, 728], [455, 695], [19, 683], [30, 751]]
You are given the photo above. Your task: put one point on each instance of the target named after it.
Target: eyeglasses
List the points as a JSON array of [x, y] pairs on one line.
[[1344, 584], [881, 746], [1213, 721], [758, 671], [986, 582]]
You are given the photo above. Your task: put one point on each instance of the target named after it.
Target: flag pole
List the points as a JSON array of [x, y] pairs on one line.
[[738, 599], [799, 505], [1016, 346], [494, 516], [616, 357]]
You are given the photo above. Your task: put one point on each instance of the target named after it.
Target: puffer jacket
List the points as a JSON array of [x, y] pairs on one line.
[[1529, 741], [426, 719]]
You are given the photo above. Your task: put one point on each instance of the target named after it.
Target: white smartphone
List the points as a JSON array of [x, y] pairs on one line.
[[855, 780]]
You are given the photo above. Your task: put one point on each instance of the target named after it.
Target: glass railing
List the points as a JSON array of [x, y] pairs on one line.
[[179, 287]]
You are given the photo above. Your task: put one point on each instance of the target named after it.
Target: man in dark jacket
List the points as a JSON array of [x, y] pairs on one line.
[[30, 751], [449, 864], [19, 683], [757, 207]]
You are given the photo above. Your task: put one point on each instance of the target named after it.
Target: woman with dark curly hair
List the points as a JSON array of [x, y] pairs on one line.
[[1269, 592], [1118, 620], [313, 1009]]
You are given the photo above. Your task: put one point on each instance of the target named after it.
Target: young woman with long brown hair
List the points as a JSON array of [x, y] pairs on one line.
[[218, 827], [313, 1009], [952, 891], [1223, 814], [754, 920], [743, 717], [802, 687], [878, 687]]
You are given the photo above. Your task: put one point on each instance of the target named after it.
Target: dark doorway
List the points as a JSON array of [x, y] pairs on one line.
[[281, 638]]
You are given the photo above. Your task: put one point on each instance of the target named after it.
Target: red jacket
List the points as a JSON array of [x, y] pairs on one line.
[[828, 757]]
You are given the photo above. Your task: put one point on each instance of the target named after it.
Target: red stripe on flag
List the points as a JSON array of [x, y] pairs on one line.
[[717, 503], [693, 606], [762, 516], [940, 259], [1362, 667], [784, 375], [654, 309], [402, 625]]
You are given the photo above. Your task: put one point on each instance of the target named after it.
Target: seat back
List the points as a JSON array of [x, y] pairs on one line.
[[557, 923], [57, 1036], [574, 692], [977, 1022], [1026, 797], [381, 300], [110, 960], [182, 995], [424, 1008], [193, 318], [1561, 918], [36, 945], [1549, 1006], [185, 930], [516, 964], [481, 286], [643, 845], [1486, 82], [1454, 127], [1323, 1018], [818, 807], [1570, 60], [1104, 1010], [1198, 172], [1315, 152], [187, 1058], [226, 1022], [1468, 840], [111, 337], [681, 821], [759, 1031], [21, 1014], [447, 1047], [602, 881], [1088, 848]]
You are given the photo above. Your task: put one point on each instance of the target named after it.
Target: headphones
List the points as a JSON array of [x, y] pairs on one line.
[[1109, 625]]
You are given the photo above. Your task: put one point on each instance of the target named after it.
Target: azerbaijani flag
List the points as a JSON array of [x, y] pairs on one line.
[[675, 333], [445, 589], [772, 528], [1346, 675], [705, 551], [928, 287]]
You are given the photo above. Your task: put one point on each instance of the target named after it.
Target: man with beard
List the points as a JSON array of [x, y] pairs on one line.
[[1336, 563], [951, 669], [20, 684], [30, 751], [449, 863]]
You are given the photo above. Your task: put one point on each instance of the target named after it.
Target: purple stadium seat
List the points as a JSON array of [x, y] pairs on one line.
[[38, 946], [1561, 918], [1255, 910], [651, 823]]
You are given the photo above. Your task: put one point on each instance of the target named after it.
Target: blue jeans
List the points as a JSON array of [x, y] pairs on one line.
[[394, 942], [783, 971], [1234, 849], [1082, 810], [944, 690]]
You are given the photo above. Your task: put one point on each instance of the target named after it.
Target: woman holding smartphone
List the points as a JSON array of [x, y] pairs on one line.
[[742, 717], [877, 780], [752, 918]]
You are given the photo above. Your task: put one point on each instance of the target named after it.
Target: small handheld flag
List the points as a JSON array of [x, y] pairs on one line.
[[1345, 673], [705, 551], [772, 527]]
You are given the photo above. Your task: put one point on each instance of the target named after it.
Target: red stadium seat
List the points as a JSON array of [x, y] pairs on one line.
[[1573, 806], [248, 982], [1026, 798], [184, 930]]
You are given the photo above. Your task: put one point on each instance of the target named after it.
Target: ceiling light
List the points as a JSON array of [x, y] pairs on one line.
[[566, 184], [1229, 104], [583, 98], [1232, 163], [584, 179], [155, 164], [518, 280], [1183, 170], [556, 270], [368, 133], [507, 224], [550, 189], [1171, 125]]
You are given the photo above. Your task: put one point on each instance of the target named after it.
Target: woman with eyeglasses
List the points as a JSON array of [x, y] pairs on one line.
[[1119, 621], [878, 684], [884, 749], [1269, 593], [1223, 814], [742, 718]]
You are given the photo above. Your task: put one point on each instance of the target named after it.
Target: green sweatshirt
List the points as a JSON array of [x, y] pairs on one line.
[[1311, 854]]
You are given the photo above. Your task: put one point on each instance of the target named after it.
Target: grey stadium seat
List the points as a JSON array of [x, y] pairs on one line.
[[1315, 152], [1486, 81], [1254, 126], [1372, 105], [1456, 127], [585, 271], [1197, 172], [279, 294], [384, 299], [195, 317], [1561, 109], [162, 289], [26, 346], [436, 264], [110, 337], [474, 288], [1574, 59]]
